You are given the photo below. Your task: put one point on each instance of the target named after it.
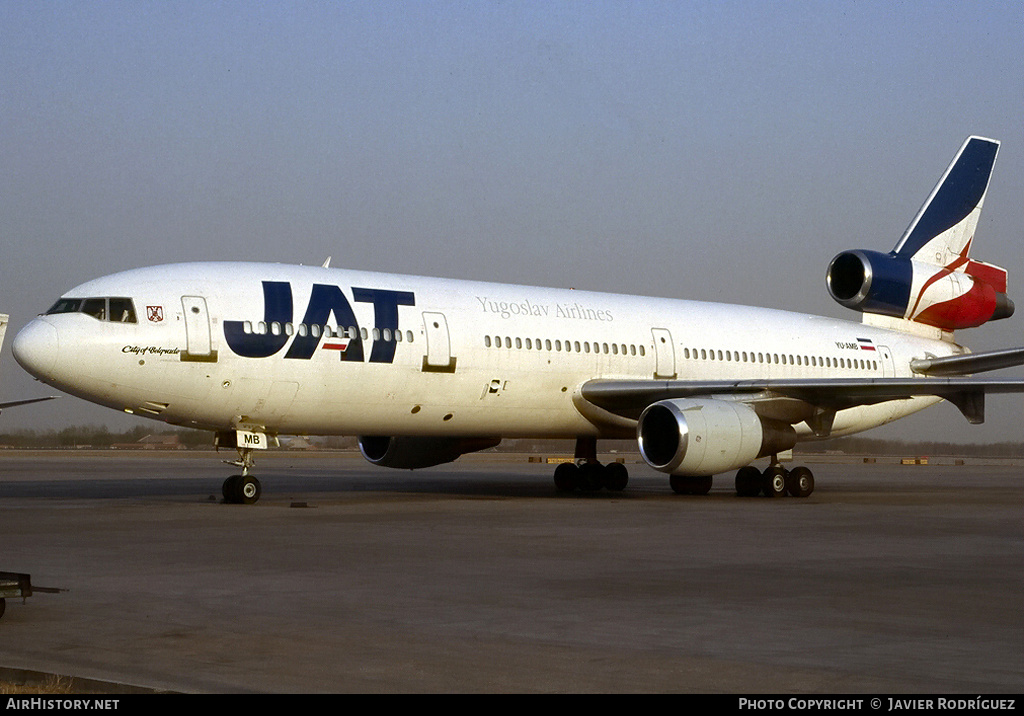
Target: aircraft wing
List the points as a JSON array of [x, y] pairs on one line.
[[815, 400]]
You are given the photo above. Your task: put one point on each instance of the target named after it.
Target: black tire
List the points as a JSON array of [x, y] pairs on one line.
[[249, 490], [800, 482], [773, 482], [230, 490], [748, 481], [591, 477], [687, 485], [616, 476], [565, 477], [3, 606]]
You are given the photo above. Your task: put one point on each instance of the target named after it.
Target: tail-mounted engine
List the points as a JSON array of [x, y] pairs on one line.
[[893, 285], [929, 277]]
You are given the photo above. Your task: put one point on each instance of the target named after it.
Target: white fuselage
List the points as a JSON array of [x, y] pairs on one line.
[[428, 356]]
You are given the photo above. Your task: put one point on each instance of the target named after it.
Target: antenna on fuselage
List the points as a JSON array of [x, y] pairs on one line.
[[327, 263]]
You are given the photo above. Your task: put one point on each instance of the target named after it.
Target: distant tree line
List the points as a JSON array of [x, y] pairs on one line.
[[873, 446], [100, 436], [848, 445]]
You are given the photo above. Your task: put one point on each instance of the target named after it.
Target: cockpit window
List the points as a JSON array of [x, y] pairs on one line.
[[65, 305], [117, 310], [95, 307], [122, 310]]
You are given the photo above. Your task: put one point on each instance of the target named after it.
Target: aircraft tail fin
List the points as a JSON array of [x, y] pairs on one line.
[[942, 230], [929, 278]]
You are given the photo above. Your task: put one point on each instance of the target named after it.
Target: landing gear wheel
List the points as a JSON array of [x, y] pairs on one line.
[[3, 606], [565, 477], [800, 482], [241, 490], [748, 481], [590, 477], [230, 489], [774, 481], [686, 485], [249, 490], [616, 476]]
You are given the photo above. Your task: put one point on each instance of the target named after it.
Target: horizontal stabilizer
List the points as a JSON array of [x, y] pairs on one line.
[[968, 364], [15, 403]]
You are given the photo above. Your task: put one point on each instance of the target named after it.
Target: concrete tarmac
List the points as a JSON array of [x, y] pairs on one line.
[[479, 577]]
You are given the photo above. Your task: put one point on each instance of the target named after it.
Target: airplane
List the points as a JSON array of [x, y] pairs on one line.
[[425, 370], [14, 403]]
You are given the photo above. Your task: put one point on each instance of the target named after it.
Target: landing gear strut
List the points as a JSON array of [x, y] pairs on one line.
[[587, 474], [242, 489]]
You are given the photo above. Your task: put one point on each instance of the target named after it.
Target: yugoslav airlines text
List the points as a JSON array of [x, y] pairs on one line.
[[573, 311]]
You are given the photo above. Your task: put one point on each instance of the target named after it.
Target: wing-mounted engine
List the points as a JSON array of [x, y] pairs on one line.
[[706, 436], [939, 296], [413, 452], [929, 277]]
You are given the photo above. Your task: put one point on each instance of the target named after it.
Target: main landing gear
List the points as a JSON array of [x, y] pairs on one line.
[[242, 489], [586, 474], [591, 476], [774, 481]]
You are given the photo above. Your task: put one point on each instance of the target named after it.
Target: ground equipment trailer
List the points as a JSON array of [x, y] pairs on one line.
[[14, 585]]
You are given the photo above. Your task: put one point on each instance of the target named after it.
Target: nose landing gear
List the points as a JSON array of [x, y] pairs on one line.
[[242, 489]]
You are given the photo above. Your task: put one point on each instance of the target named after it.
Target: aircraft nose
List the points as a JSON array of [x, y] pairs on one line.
[[35, 348]]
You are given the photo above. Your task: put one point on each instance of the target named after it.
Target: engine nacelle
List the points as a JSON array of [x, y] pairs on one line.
[[410, 453], [705, 437], [893, 285]]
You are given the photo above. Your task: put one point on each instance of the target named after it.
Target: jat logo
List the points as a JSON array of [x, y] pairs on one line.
[[323, 302]]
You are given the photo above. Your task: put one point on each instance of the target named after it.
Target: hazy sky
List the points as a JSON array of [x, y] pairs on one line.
[[723, 150]]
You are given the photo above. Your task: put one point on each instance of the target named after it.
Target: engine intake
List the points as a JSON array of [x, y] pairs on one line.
[[706, 437], [893, 285]]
